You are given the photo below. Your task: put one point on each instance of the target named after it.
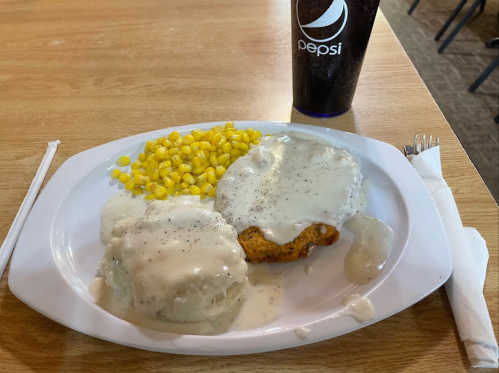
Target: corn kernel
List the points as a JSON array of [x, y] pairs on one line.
[[220, 170], [167, 182], [235, 153], [227, 148], [197, 134], [158, 190], [163, 172], [186, 149], [184, 185], [194, 190], [236, 144], [186, 192], [166, 143], [115, 174], [184, 168], [123, 161], [196, 162], [216, 139], [172, 151], [223, 159], [149, 185], [188, 178], [144, 165], [219, 152], [152, 173], [254, 136], [256, 142], [150, 197], [124, 177], [229, 124], [204, 145], [129, 185], [211, 177], [136, 172], [174, 176], [212, 193], [206, 188], [147, 147], [173, 136], [160, 153], [140, 179], [176, 160], [137, 190], [214, 161], [194, 146], [177, 142], [244, 148], [199, 170], [188, 139]]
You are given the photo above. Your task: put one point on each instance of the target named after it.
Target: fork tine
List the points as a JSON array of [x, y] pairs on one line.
[[429, 142], [415, 145], [423, 138]]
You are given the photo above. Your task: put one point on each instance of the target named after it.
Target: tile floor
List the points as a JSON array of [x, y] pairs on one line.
[[449, 75]]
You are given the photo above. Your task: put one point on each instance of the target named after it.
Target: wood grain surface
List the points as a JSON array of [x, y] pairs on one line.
[[89, 71]]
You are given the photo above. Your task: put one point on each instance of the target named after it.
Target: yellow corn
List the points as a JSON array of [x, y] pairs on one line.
[[150, 197], [212, 193], [176, 160], [137, 190], [223, 159], [123, 161], [124, 178], [197, 134], [188, 178], [206, 188], [220, 170], [173, 136], [214, 161], [195, 162], [212, 179], [194, 190], [129, 185], [160, 153], [188, 139], [115, 174], [191, 164], [184, 168]]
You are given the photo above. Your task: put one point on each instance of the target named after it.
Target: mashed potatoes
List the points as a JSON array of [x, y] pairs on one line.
[[179, 262]]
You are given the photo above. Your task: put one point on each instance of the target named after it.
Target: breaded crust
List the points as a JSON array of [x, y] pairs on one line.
[[260, 250]]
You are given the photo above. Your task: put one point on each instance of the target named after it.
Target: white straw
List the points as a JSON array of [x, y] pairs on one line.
[[22, 214]]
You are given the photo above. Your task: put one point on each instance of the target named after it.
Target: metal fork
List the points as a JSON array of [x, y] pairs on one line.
[[413, 150]]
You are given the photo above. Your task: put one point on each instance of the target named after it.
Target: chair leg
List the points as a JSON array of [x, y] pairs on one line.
[[484, 75], [413, 6], [482, 6], [459, 26], [450, 19]]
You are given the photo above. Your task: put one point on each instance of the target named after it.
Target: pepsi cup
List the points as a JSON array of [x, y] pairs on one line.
[[329, 43]]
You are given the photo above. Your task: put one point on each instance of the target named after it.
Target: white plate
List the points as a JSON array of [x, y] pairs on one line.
[[57, 254]]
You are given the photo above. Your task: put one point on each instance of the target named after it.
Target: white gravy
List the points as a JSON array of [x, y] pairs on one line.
[[358, 307], [259, 304], [370, 249], [286, 184], [260, 307], [120, 206]]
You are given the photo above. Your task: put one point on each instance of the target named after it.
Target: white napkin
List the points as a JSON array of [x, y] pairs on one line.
[[469, 259]]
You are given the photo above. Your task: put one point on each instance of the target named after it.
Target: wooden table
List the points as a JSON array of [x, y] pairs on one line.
[[89, 71]]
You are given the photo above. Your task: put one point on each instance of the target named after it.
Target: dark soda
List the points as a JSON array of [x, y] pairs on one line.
[[329, 39]]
